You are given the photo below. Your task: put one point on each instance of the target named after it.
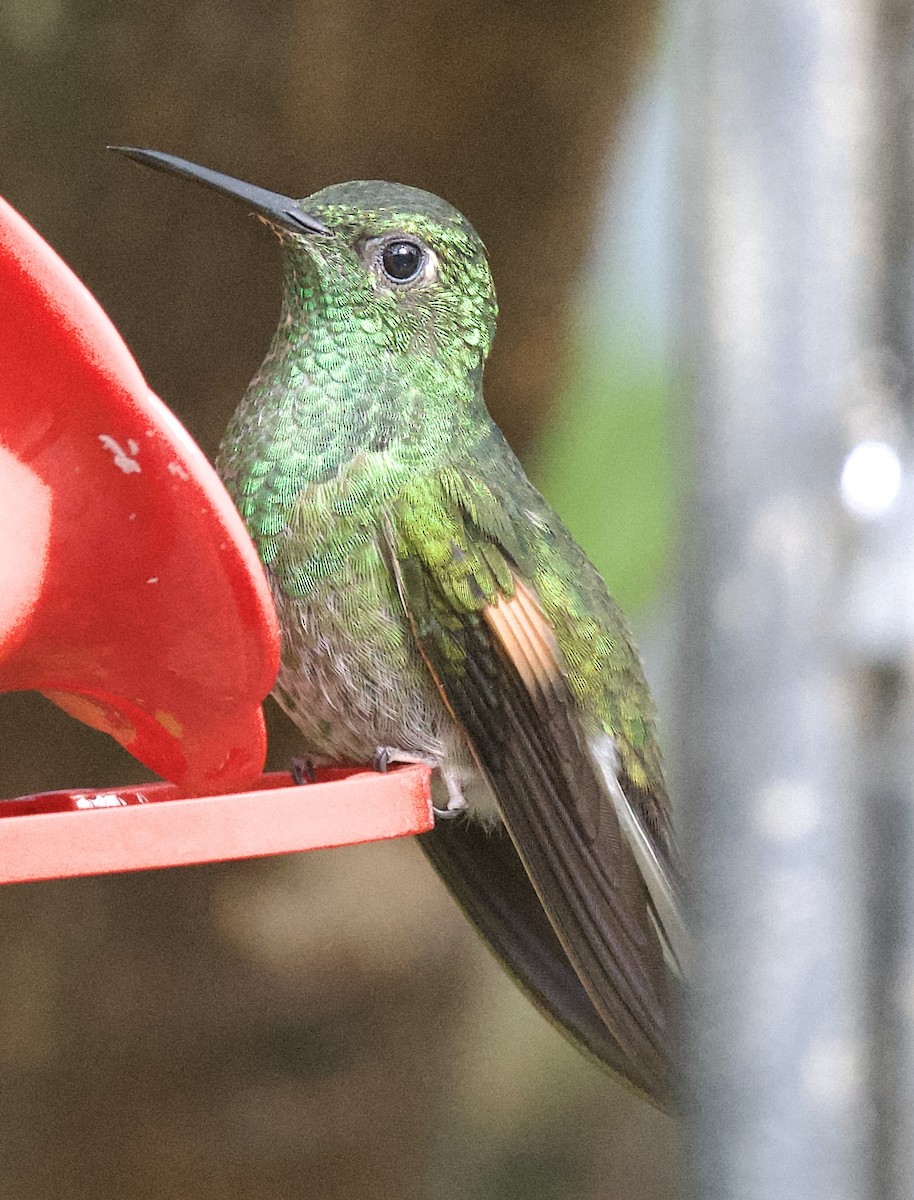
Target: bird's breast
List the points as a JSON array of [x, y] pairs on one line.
[[351, 677]]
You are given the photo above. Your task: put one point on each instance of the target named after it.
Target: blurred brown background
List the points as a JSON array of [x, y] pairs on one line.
[[323, 1025]]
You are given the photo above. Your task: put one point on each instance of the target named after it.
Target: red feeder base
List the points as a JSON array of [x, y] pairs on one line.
[[131, 595]]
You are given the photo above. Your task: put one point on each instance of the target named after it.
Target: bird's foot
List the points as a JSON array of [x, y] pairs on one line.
[[456, 803], [303, 771], [381, 759], [385, 755]]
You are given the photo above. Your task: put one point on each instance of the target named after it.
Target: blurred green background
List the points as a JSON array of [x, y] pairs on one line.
[[327, 1025]]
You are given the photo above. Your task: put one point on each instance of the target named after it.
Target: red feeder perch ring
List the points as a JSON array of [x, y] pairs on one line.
[[61, 834], [131, 595]]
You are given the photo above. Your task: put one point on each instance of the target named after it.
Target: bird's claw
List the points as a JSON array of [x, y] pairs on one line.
[[449, 813], [303, 771], [456, 803], [381, 760]]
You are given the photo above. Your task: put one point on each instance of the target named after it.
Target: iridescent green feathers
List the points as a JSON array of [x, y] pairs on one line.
[[365, 382], [472, 529]]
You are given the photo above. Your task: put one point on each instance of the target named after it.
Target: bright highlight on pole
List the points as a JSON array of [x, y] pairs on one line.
[[871, 479]]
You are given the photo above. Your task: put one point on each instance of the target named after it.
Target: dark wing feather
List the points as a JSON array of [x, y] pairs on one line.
[[487, 878], [521, 723]]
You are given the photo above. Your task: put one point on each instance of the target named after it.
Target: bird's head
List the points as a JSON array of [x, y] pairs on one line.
[[375, 258], [404, 262]]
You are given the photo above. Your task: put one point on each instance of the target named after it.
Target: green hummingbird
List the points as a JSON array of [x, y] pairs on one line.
[[434, 608]]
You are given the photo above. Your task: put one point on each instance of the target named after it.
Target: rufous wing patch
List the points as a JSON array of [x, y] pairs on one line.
[[526, 637]]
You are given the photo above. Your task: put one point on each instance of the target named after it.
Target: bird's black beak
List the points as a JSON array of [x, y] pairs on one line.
[[278, 210]]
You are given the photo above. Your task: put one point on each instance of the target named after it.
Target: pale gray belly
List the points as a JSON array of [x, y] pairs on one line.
[[352, 679]]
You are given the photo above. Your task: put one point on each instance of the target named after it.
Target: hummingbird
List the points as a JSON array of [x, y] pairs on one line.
[[435, 609]]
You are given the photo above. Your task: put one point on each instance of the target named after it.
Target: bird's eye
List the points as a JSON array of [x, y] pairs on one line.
[[402, 261]]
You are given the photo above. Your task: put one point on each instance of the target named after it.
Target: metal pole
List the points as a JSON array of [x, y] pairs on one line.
[[881, 623], [779, 287]]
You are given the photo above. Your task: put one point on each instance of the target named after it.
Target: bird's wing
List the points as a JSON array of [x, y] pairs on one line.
[[464, 574], [481, 867]]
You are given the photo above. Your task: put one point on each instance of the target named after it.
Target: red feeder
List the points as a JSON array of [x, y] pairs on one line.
[[131, 595]]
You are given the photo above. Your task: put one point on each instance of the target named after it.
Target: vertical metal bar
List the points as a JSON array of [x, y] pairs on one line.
[[881, 619], [779, 290]]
